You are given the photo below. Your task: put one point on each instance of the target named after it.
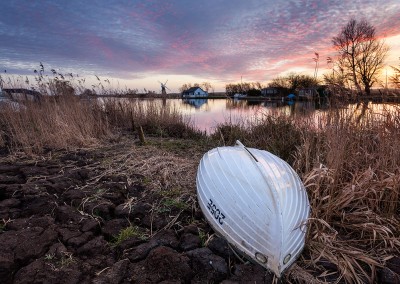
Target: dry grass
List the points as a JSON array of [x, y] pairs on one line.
[[55, 122], [278, 134], [169, 178], [350, 165], [155, 117], [68, 121]]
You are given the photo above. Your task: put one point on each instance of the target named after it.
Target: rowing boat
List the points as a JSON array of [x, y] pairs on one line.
[[256, 201]]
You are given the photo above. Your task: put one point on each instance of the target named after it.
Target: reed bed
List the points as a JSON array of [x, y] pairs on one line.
[[65, 122], [158, 118], [350, 165], [277, 133], [351, 168], [55, 122]]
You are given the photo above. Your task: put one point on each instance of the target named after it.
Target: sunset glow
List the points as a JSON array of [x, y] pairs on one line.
[[138, 43]]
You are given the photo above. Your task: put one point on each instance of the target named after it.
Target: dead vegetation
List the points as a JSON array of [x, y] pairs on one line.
[[351, 170], [67, 122], [55, 122], [350, 165]]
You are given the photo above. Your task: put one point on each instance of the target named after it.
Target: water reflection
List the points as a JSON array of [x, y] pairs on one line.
[[216, 111], [197, 103], [235, 103]]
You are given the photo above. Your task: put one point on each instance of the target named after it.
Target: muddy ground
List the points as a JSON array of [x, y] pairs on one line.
[[116, 213]]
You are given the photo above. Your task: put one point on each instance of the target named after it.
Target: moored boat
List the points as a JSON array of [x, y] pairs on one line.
[[239, 96], [256, 201]]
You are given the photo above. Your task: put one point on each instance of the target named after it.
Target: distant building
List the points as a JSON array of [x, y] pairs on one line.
[[271, 92], [194, 92]]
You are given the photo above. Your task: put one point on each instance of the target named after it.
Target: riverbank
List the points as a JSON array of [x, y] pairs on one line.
[[115, 213], [123, 212], [84, 197]]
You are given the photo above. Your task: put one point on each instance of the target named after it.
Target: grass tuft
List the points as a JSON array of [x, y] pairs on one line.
[[127, 233]]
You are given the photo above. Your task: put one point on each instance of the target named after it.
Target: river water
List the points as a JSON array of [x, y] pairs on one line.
[[206, 114]]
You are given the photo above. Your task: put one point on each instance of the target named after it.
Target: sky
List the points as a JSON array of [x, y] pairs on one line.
[[136, 44]]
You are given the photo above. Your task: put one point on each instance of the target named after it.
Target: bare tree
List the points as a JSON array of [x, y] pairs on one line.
[[280, 82], [362, 54], [337, 81], [294, 82], [249, 88], [395, 79], [185, 87], [207, 86], [256, 85]]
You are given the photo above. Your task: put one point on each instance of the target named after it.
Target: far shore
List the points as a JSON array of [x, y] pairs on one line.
[[374, 98]]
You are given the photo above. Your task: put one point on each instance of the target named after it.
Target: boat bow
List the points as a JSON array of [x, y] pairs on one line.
[[256, 201]]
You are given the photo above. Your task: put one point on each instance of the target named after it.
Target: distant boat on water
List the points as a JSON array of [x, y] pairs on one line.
[[239, 96]]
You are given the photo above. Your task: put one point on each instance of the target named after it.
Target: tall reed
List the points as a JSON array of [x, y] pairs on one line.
[[351, 168], [350, 165], [69, 121], [55, 122], [277, 133], [159, 118]]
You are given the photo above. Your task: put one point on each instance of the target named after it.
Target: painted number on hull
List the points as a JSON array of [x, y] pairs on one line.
[[218, 215]]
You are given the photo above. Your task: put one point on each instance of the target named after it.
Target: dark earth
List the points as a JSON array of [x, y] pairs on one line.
[[63, 216]]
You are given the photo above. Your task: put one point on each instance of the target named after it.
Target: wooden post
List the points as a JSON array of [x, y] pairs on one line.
[[141, 135], [133, 121]]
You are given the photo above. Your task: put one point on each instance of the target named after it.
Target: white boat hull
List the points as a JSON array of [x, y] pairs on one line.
[[256, 202]]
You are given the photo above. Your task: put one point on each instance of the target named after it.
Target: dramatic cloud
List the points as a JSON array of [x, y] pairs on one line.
[[219, 41]]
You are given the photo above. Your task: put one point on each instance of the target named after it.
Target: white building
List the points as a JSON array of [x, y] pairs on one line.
[[194, 92]]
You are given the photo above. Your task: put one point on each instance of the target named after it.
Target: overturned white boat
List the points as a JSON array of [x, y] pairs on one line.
[[256, 201]]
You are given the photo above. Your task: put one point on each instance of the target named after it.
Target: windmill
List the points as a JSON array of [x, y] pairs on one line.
[[164, 87]]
